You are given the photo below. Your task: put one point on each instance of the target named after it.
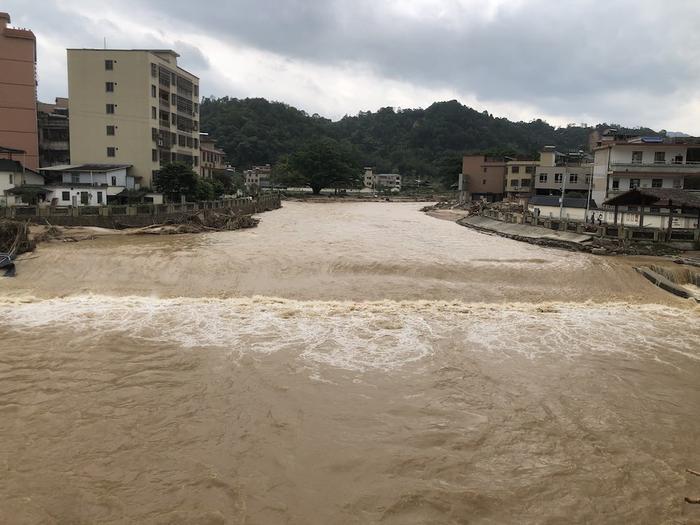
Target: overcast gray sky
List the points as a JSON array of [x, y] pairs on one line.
[[635, 62]]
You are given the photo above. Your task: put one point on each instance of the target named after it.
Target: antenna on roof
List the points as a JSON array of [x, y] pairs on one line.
[[105, 42]]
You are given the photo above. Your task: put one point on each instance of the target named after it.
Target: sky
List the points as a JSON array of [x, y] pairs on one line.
[[631, 62]]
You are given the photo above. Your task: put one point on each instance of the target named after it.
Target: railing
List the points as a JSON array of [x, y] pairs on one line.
[[692, 165]]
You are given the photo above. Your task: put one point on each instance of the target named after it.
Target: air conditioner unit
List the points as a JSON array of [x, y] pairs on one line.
[[160, 142]]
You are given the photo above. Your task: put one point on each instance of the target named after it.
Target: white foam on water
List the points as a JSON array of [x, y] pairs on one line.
[[370, 335]]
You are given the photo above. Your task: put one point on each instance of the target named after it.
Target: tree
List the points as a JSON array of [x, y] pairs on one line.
[[177, 179], [324, 163]]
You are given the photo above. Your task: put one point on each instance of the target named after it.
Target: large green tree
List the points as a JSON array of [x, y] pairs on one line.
[[324, 163], [178, 179]]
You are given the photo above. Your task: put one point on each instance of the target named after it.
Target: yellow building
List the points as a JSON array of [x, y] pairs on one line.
[[132, 106]]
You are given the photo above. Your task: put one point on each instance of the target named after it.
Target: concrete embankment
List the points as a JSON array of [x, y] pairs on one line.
[[531, 234], [666, 284]]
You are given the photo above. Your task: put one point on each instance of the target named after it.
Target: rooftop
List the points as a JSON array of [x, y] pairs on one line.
[[553, 200], [663, 197], [87, 167]]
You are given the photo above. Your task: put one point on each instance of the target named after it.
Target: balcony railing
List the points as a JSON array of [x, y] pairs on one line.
[[665, 165]]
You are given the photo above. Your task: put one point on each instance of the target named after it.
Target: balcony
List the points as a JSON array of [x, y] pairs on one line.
[[658, 167]]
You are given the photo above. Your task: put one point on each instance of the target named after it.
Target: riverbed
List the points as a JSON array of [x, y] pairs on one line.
[[343, 363]]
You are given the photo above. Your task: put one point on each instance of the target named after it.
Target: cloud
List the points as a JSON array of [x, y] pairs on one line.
[[632, 62]]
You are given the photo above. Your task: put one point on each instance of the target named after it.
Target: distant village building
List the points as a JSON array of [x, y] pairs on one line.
[[18, 117], [14, 175], [378, 181], [520, 177], [258, 175], [54, 144], [645, 162], [482, 177], [211, 157], [563, 172], [132, 106]]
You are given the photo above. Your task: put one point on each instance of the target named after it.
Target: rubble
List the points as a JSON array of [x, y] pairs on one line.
[[14, 237], [202, 221]]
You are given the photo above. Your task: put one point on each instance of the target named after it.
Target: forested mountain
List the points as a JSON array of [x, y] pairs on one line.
[[425, 143]]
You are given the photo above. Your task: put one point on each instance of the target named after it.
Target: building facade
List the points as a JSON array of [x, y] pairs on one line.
[[211, 158], [483, 177], [378, 181], [520, 176], [54, 145], [132, 106], [18, 118], [568, 173], [645, 163], [260, 176]]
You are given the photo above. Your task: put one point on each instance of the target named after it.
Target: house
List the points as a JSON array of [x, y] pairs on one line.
[[483, 177], [211, 158], [378, 181], [14, 175], [520, 175], [87, 184], [258, 175], [568, 173], [574, 208], [645, 162], [135, 106]]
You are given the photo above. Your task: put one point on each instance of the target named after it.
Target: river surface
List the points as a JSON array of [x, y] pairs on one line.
[[343, 363]]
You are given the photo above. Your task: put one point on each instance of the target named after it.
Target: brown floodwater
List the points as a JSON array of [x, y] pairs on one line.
[[343, 363]]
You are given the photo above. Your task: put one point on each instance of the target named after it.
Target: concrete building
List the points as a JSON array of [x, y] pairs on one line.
[[567, 172], [379, 181], [645, 162], [520, 175], [211, 158], [132, 106], [87, 184], [258, 175], [54, 145], [482, 177], [18, 119]]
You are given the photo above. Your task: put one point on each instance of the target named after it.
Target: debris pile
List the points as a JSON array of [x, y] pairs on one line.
[[202, 221], [14, 237]]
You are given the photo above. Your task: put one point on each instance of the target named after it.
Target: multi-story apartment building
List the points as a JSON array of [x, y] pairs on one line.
[[18, 121], [520, 176], [132, 106], [645, 162], [483, 177], [54, 146], [211, 158], [258, 175], [563, 172], [376, 181]]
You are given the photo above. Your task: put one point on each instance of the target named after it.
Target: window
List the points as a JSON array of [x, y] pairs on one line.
[[196, 108], [573, 178], [65, 195], [530, 170], [196, 160], [174, 118], [543, 177], [110, 130], [111, 151], [678, 184], [110, 109], [485, 170], [558, 177], [173, 99], [114, 180], [109, 65], [657, 183], [616, 184], [515, 169], [196, 145], [678, 159], [196, 90], [637, 157], [99, 197], [153, 91], [75, 178], [525, 183], [154, 112], [483, 181], [181, 140], [11, 179], [154, 155], [514, 183], [634, 183], [154, 70], [109, 87], [659, 157]]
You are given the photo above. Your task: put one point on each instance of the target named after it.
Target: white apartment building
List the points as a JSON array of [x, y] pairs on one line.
[[258, 175], [133, 106], [645, 163], [375, 181]]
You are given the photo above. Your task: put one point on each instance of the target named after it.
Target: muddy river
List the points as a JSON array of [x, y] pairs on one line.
[[343, 363]]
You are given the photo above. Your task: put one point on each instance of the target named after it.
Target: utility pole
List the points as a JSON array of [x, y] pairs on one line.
[[563, 191]]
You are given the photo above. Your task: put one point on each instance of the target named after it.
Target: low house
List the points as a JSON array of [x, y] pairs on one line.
[[520, 175], [87, 184], [259, 176], [14, 175], [573, 208], [657, 208]]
